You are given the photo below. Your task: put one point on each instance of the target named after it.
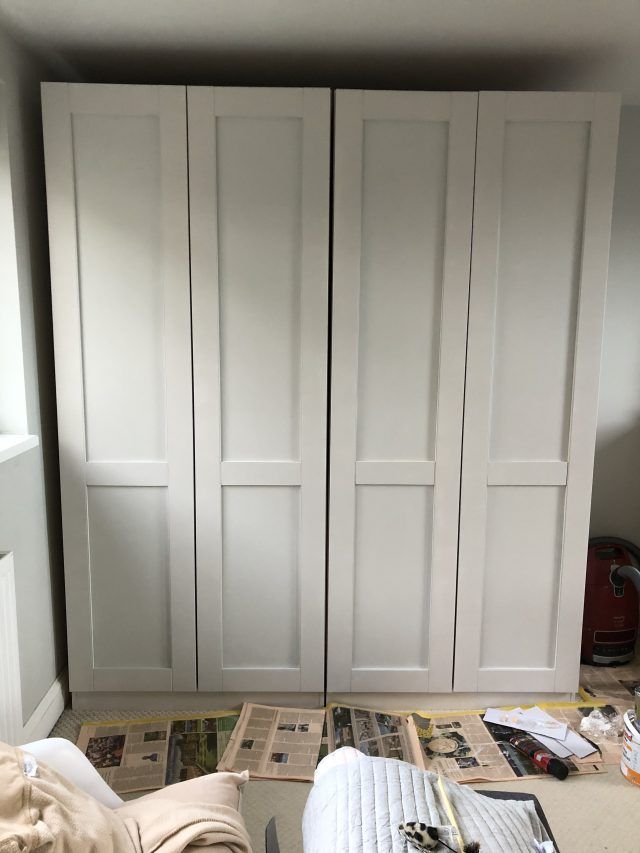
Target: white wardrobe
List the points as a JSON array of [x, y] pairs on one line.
[[191, 270], [189, 234]]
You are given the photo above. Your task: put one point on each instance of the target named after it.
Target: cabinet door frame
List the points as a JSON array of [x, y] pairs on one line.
[[60, 102], [478, 472], [312, 106], [346, 472]]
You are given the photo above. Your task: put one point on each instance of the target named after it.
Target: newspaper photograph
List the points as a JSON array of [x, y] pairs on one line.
[[460, 748], [143, 755], [376, 733], [276, 743]]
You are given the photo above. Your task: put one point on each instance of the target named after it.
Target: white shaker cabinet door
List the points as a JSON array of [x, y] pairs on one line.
[[403, 194], [544, 186], [116, 162], [259, 162]]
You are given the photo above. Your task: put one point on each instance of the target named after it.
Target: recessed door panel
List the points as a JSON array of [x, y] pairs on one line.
[[392, 574], [526, 520], [260, 585], [130, 581], [404, 179], [259, 174], [119, 218], [543, 194]]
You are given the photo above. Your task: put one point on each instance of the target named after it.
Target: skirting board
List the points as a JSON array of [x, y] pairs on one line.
[[48, 711], [384, 701]]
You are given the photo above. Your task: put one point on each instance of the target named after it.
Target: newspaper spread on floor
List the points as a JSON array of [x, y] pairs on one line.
[[276, 743], [287, 743], [143, 755], [464, 748], [612, 683], [460, 746], [375, 733]]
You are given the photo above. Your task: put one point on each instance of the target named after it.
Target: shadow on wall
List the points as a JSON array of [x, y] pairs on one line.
[[616, 482], [341, 64], [615, 508]]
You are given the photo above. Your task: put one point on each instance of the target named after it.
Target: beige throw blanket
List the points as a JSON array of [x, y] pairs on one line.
[[44, 812]]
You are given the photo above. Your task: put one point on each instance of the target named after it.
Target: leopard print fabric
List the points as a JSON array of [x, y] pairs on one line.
[[419, 835]]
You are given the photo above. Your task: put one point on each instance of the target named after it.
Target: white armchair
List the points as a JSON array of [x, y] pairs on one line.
[[205, 810], [65, 758]]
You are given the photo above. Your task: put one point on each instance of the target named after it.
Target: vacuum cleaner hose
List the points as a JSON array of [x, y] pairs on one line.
[[623, 573]]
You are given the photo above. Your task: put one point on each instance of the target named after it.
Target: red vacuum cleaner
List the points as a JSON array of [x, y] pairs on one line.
[[611, 616]]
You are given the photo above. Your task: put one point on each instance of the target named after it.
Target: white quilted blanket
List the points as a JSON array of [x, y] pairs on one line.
[[358, 802]]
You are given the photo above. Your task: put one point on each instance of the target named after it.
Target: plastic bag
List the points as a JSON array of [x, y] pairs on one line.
[[599, 725]]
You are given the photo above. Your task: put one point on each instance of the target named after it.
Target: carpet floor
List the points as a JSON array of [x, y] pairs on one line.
[[588, 814]]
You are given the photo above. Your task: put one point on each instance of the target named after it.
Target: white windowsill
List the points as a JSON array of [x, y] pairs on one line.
[[14, 445]]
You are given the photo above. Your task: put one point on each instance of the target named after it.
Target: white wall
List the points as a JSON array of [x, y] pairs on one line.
[[13, 403], [29, 484], [616, 481], [38, 575]]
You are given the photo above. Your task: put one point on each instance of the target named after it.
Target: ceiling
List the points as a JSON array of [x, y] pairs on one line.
[[427, 44]]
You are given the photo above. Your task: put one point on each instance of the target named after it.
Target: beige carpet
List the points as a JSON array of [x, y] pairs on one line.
[[590, 814]]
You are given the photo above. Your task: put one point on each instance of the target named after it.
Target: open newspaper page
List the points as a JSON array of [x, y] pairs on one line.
[[376, 733], [464, 748], [275, 743], [143, 755]]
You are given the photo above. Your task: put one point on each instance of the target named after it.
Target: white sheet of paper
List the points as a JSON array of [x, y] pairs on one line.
[[525, 722], [557, 747], [553, 745], [574, 742], [543, 846]]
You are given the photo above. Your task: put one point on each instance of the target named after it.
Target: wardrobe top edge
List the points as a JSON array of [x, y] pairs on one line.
[[560, 92]]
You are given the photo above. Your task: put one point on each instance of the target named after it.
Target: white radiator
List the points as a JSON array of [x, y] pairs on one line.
[[10, 694]]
